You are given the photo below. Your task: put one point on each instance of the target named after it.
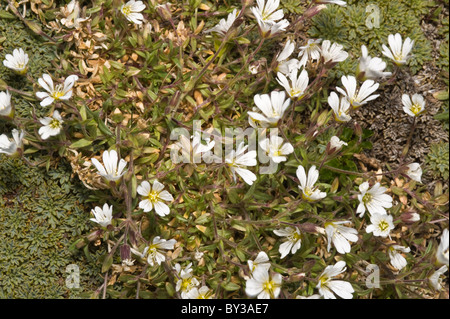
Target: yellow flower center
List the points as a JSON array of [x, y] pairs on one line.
[[153, 196], [126, 10], [57, 93], [54, 124], [383, 225], [367, 198], [416, 109]]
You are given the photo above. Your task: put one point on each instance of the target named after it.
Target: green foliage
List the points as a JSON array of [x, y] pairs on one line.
[[438, 160]]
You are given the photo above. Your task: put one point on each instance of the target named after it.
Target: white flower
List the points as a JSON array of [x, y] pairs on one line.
[[17, 61], [186, 281], [340, 236], [374, 200], [112, 170], [10, 147], [154, 197], [286, 66], [154, 253], [103, 216], [413, 106], [309, 51], [295, 86], [338, 2], [267, 11], [435, 278], [361, 96], [238, 161], [200, 293], [276, 149], [332, 53], [192, 151], [414, 172], [60, 92], [382, 225], [224, 25], [328, 287], [371, 68], [261, 263], [71, 13], [269, 28], [293, 243], [336, 144], [397, 260], [442, 251], [5, 104], [340, 107], [272, 106], [52, 125], [264, 285], [131, 11], [398, 51], [309, 191]]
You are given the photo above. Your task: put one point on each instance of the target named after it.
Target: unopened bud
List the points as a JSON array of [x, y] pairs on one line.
[[410, 217], [125, 252], [311, 228], [164, 11], [358, 130], [311, 12]]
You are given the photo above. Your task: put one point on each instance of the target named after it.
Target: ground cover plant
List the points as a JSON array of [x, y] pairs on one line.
[[224, 149]]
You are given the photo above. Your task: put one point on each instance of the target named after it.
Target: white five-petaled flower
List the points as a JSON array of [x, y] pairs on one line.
[[309, 191], [225, 24], [332, 53], [131, 10], [272, 106], [328, 287], [261, 263], [397, 260], [296, 85], [340, 235], [264, 285], [286, 66], [154, 197], [371, 68], [436, 280], [103, 216], [154, 253], [336, 144], [238, 161], [442, 251], [358, 97], [276, 148], [374, 200], [17, 61], [192, 151], [293, 242], [113, 170], [267, 11], [11, 147], [185, 280], [381, 226], [414, 172], [6, 108], [340, 107], [311, 50], [55, 93], [203, 292], [51, 125], [398, 50], [413, 106]]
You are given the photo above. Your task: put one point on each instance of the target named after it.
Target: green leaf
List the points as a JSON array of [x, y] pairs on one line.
[[81, 143], [107, 263]]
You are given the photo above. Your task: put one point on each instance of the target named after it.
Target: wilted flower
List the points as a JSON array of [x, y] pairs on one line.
[[17, 61], [309, 51], [261, 263], [11, 147], [442, 251], [382, 224], [371, 68], [276, 149], [414, 172], [6, 108], [272, 106], [131, 10], [60, 92], [398, 51], [436, 280], [296, 85], [264, 285], [103, 216], [238, 161], [332, 53], [374, 200], [361, 96], [52, 125], [224, 25], [186, 281], [309, 191], [112, 170], [154, 253], [328, 287], [336, 144], [340, 236], [293, 242], [413, 106], [154, 197], [71, 13], [340, 107], [397, 260]]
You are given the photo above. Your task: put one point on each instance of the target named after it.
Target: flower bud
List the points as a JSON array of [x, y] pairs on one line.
[[410, 217], [125, 252]]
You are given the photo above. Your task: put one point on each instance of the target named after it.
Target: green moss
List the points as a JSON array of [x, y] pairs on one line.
[[347, 26], [438, 160]]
